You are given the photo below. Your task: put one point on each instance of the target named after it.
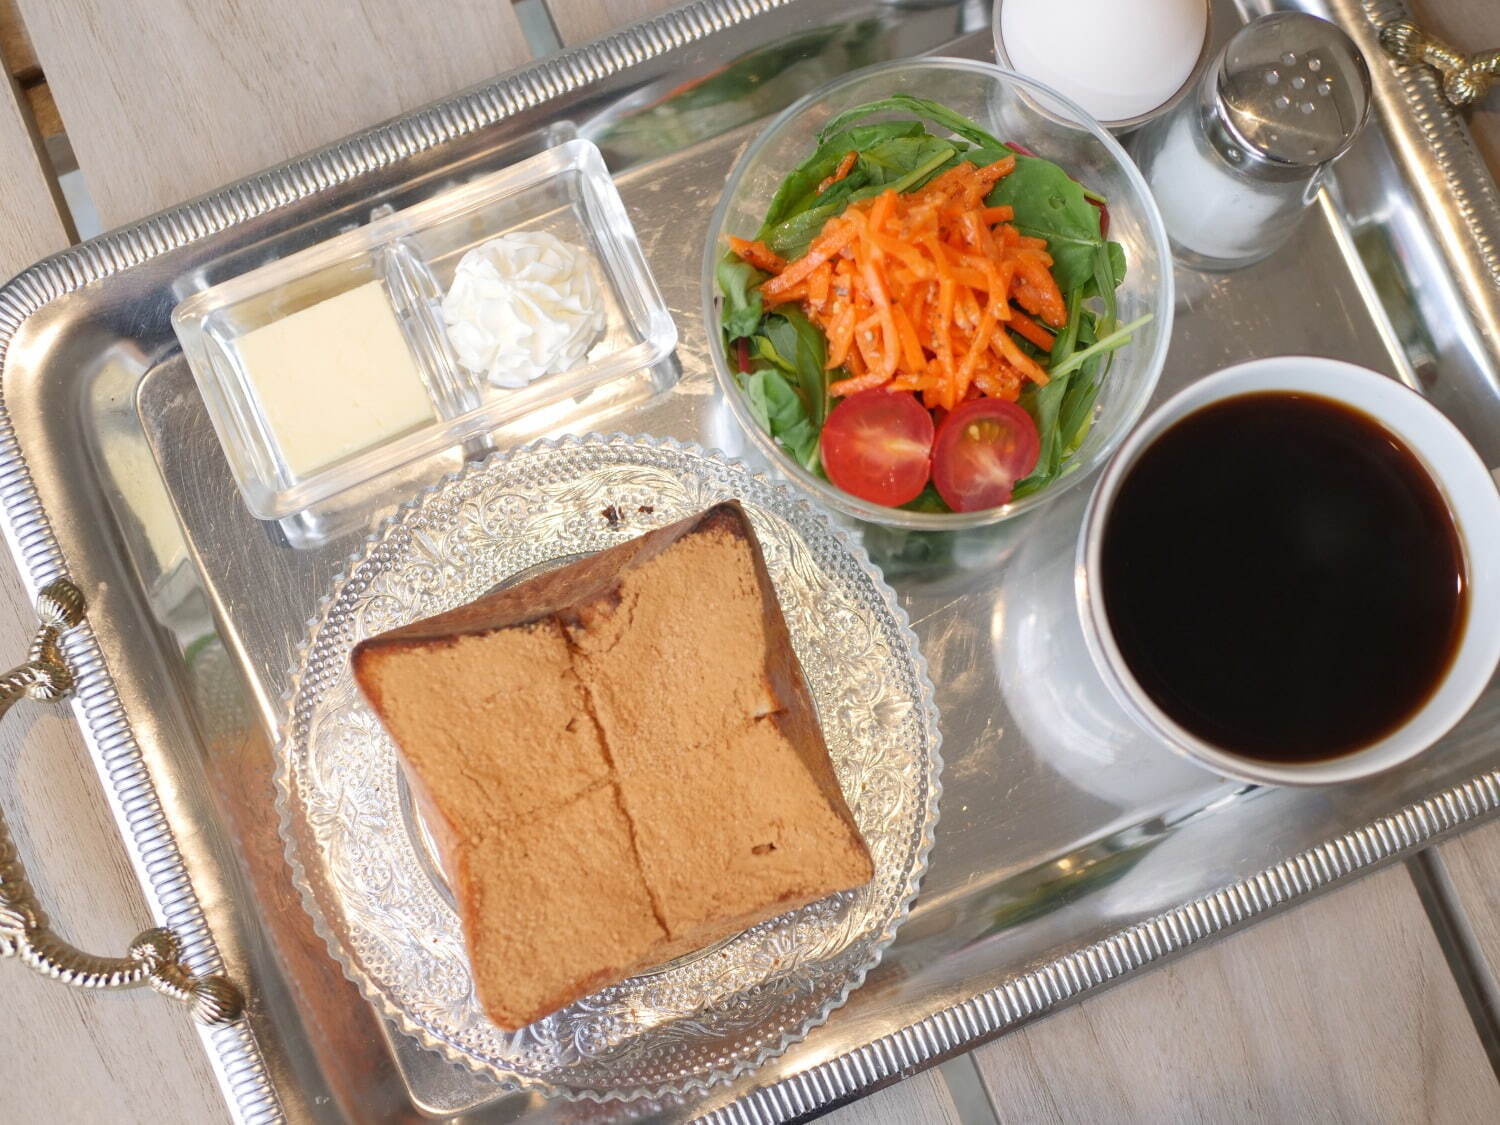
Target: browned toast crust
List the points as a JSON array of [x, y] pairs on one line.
[[619, 759]]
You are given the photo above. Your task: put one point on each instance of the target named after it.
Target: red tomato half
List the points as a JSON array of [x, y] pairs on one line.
[[878, 446], [982, 449]]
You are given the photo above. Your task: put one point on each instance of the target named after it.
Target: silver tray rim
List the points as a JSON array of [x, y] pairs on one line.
[[921, 860], [235, 1054]]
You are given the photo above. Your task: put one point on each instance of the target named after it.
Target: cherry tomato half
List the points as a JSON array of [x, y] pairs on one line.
[[878, 446], [983, 447]]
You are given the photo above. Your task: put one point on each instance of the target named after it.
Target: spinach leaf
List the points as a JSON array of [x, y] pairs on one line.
[[1050, 204], [790, 238], [1076, 417], [1109, 273], [779, 410], [955, 123], [1117, 338], [1076, 413], [1106, 280], [1064, 409], [794, 344], [1116, 254], [800, 189], [983, 155], [740, 282], [928, 500], [892, 161], [1044, 404], [755, 399]]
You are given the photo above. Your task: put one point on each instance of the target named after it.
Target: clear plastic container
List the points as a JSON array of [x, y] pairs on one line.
[[412, 255]]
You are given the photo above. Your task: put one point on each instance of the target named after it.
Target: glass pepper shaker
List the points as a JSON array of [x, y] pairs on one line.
[[1233, 168]]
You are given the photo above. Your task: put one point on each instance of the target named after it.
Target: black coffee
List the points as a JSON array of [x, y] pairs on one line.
[[1283, 577]]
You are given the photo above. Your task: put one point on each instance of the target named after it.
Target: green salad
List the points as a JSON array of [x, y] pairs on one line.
[[926, 314]]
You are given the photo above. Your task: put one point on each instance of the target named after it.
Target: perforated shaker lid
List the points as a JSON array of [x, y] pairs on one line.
[[1294, 87]]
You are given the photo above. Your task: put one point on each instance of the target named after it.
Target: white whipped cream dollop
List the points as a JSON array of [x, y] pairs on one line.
[[522, 306]]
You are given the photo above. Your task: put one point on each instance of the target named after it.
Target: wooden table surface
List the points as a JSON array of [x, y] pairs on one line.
[[1377, 1002]]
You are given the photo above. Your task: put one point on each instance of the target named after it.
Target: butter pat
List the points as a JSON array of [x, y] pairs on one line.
[[334, 378]]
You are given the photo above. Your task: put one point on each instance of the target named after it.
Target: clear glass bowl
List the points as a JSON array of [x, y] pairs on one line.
[[1013, 108]]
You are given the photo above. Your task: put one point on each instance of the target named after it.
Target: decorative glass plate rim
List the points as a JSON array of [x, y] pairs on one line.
[[794, 504]]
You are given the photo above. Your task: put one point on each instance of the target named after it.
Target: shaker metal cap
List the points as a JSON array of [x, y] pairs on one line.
[[1294, 87]]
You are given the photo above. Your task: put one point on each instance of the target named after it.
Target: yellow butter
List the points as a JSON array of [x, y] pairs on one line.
[[335, 378]]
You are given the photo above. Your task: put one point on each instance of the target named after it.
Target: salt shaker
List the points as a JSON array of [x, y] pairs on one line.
[[1233, 168]]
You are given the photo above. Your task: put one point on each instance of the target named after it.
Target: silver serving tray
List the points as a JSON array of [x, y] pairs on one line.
[[1071, 850]]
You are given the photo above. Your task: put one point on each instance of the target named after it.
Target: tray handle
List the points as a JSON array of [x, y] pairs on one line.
[[1464, 78], [154, 956]]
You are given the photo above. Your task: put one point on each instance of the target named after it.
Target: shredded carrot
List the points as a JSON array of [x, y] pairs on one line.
[[758, 254], [837, 233], [1030, 330], [840, 336], [1037, 292], [911, 345], [920, 292], [819, 284], [846, 387], [846, 165]]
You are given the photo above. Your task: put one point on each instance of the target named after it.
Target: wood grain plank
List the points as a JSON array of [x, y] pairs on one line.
[[166, 99], [67, 1055], [1343, 1010], [1472, 863], [922, 1099], [34, 225], [16, 51], [579, 21]]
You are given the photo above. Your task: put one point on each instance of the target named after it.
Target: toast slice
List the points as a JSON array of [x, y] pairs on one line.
[[619, 761]]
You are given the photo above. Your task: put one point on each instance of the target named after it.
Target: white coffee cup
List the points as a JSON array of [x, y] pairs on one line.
[[1473, 503]]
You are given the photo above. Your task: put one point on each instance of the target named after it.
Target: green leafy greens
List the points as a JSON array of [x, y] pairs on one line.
[[1050, 204], [739, 283], [787, 387]]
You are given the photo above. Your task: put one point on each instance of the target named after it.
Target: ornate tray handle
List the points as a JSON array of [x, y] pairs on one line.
[[153, 957], [1465, 78]]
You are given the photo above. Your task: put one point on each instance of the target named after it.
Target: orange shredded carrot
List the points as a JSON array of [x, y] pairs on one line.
[[885, 203], [840, 331], [911, 346], [758, 254], [846, 387], [1037, 293], [837, 233], [1011, 352], [846, 165], [920, 292], [1031, 330], [819, 284]]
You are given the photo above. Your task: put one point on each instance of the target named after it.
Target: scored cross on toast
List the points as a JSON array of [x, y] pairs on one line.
[[618, 760]]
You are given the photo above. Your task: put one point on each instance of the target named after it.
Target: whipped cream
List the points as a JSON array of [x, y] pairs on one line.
[[522, 306]]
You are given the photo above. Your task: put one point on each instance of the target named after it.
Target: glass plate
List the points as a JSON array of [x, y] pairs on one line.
[[360, 856]]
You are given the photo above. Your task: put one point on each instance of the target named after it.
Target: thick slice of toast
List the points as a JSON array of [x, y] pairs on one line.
[[619, 761]]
